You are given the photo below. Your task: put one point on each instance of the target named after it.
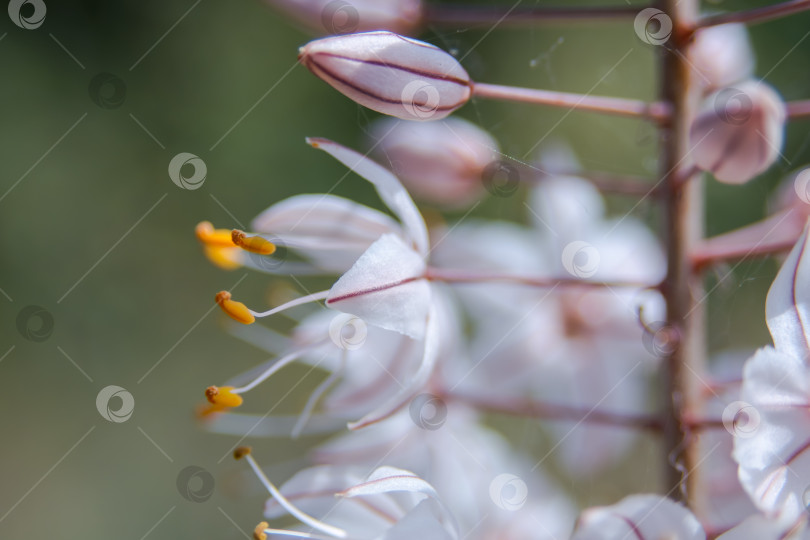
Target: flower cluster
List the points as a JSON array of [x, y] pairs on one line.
[[566, 315]]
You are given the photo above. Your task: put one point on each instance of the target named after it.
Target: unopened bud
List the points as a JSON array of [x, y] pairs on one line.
[[325, 17], [391, 74], [739, 132], [721, 55], [438, 162]]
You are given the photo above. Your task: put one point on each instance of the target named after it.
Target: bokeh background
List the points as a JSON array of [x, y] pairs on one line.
[[93, 231]]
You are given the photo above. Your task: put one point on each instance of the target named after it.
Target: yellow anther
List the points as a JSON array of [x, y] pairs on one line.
[[258, 532], [208, 235], [223, 397], [227, 258], [236, 310], [240, 452], [254, 244]]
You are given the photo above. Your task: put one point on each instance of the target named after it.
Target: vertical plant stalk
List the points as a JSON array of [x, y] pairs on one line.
[[684, 211]]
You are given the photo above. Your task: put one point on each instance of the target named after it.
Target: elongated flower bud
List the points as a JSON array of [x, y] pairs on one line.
[[390, 74], [739, 132], [439, 162], [721, 55], [326, 17]]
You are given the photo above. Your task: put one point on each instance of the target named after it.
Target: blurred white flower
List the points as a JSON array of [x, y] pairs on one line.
[[721, 55], [440, 162], [639, 516], [323, 17], [739, 132]]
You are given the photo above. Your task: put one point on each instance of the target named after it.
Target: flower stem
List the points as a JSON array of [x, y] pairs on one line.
[[757, 15], [537, 409], [798, 109], [684, 212], [465, 276], [608, 105], [455, 16]]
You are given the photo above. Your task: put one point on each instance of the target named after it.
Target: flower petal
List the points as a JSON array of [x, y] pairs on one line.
[[388, 187], [386, 288], [787, 307]]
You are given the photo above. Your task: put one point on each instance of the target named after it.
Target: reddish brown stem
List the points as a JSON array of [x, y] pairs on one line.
[[464, 276], [537, 409], [455, 16], [607, 105], [798, 109], [757, 15]]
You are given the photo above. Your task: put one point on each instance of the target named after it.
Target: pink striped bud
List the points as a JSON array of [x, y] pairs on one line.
[[390, 74], [325, 17], [438, 162], [739, 132]]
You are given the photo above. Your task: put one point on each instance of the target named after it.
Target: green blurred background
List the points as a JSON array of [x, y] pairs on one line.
[[93, 230]]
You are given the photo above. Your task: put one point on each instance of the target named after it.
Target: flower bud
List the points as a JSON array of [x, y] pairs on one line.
[[326, 17], [390, 74], [739, 132], [438, 162], [721, 55]]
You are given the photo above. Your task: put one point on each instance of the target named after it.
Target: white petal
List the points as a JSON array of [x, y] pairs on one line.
[[386, 479], [639, 516], [388, 187], [773, 445], [427, 520], [386, 288], [787, 308]]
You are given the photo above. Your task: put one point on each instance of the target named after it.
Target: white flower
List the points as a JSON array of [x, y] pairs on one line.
[[391, 74], [639, 516], [721, 55]]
